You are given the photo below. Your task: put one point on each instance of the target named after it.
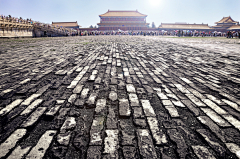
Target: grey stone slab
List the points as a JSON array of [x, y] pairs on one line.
[[215, 117], [159, 137], [213, 127], [202, 152], [145, 143], [43, 144], [10, 107], [34, 117], [94, 152], [111, 143], [32, 106], [19, 152], [148, 110], [133, 99], [179, 140], [124, 109], [11, 141], [212, 141], [191, 107]]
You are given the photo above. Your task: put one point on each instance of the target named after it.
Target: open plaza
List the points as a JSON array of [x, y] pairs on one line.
[[110, 79], [161, 97]]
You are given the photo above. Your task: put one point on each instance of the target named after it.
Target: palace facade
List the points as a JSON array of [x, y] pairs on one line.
[[123, 20]]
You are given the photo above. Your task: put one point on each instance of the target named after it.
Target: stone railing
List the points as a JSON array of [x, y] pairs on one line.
[[23, 28]]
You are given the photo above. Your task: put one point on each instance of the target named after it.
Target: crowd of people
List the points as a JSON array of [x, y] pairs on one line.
[[179, 33]]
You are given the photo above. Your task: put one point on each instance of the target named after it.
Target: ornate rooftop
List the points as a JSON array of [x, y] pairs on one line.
[[122, 14], [65, 24], [226, 20]]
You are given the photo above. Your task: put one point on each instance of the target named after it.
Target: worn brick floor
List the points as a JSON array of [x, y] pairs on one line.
[[120, 97]]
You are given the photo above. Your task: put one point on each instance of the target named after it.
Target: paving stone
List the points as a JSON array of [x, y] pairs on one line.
[[96, 131], [213, 142], [130, 88], [72, 98], [64, 138], [202, 152], [113, 96], [32, 106], [53, 111], [124, 109], [19, 152], [232, 104], [234, 148], [30, 99], [191, 107], [133, 100], [178, 139], [11, 141], [79, 103], [172, 111], [92, 98], [43, 144], [100, 107], [145, 143], [34, 117], [182, 89], [111, 143], [127, 138], [214, 99], [213, 127], [130, 152], [10, 107], [214, 106], [60, 101], [159, 137], [162, 95], [233, 121], [215, 117], [94, 152], [69, 124], [137, 112], [195, 100], [84, 93], [148, 110], [140, 123], [73, 84]]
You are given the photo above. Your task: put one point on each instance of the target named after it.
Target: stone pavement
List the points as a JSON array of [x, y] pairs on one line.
[[118, 97]]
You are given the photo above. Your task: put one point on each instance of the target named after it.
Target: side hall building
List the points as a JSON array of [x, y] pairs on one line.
[[123, 20], [73, 25], [184, 26]]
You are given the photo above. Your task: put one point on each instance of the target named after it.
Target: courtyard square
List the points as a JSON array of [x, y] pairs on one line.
[[120, 97]]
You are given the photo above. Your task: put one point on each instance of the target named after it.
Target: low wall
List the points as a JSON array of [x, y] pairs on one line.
[[15, 33]]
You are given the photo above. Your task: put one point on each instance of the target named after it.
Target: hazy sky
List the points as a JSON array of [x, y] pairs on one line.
[[86, 12]]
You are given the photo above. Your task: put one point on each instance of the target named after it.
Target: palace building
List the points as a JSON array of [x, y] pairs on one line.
[[226, 23], [184, 26], [73, 25], [123, 20]]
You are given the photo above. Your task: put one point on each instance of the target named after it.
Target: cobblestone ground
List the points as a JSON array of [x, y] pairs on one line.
[[119, 97]]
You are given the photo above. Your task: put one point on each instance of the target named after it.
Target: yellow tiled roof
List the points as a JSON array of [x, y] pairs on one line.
[[226, 20], [122, 14], [122, 23], [65, 24], [184, 26], [234, 27]]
